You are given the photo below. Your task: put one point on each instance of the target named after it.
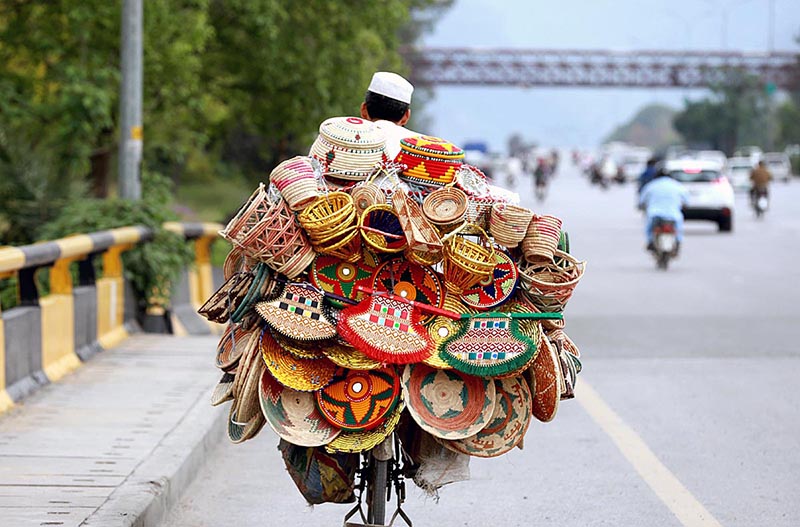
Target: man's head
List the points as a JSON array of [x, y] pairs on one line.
[[388, 97], [762, 164]]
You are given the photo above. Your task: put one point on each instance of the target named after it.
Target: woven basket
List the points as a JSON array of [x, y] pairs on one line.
[[466, 263], [328, 214], [347, 246], [479, 211], [296, 181], [446, 208], [381, 229], [542, 238], [366, 195], [549, 286], [248, 217], [509, 223], [424, 244]]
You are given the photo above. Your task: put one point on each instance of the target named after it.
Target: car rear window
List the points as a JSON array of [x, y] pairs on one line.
[[693, 176]]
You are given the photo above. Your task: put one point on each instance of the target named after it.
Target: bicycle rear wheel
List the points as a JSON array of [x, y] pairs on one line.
[[376, 491]]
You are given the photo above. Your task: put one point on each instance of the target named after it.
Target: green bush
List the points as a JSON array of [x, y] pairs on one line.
[[152, 268]]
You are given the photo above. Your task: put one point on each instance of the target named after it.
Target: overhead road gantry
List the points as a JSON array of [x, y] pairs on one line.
[[600, 68]]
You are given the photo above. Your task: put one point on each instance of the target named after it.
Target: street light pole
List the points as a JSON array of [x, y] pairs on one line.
[[130, 141]]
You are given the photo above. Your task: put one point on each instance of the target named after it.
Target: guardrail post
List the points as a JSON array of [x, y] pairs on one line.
[[111, 298]]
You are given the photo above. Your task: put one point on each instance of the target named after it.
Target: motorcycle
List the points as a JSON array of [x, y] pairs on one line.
[[760, 202], [665, 242]]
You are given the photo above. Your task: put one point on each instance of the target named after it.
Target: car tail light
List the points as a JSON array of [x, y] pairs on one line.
[[720, 180], [726, 211]]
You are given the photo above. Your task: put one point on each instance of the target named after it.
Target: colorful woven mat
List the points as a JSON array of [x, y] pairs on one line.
[[365, 440], [293, 415], [305, 375], [510, 420], [359, 400], [341, 278], [448, 404], [410, 281], [497, 288]]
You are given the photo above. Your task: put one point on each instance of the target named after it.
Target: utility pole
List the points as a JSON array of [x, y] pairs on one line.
[[130, 104]]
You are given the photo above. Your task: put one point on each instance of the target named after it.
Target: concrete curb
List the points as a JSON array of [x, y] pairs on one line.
[[156, 485]]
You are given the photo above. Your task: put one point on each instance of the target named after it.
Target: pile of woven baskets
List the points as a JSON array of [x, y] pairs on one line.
[[362, 292]]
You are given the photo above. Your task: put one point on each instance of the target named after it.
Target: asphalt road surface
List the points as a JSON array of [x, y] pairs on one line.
[[688, 412]]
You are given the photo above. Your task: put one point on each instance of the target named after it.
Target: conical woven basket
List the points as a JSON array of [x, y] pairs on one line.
[[467, 262], [549, 286]]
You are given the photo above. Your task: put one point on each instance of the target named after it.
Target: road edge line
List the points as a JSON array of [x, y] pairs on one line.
[[689, 511]]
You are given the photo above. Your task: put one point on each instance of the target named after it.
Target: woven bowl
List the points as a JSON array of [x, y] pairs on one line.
[[381, 229], [445, 206]]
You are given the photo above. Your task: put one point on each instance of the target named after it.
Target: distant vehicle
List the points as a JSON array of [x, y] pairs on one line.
[[779, 165], [665, 243], [634, 163], [710, 193], [712, 155], [738, 172], [753, 152]]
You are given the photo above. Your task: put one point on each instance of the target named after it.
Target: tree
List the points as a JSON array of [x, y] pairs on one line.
[[735, 114]]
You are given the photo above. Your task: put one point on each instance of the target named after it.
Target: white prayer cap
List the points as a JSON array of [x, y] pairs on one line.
[[391, 85]]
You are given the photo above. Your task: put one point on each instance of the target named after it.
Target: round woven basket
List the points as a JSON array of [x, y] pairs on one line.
[[509, 223], [446, 208], [381, 229], [466, 263], [542, 238], [296, 181], [549, 286], [367, 194]]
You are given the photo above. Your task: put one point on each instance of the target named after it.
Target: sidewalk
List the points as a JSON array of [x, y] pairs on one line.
[[114, 443]]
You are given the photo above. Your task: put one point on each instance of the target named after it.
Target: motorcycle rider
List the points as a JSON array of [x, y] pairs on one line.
[[663, 197], [759, 180], [648, 174]]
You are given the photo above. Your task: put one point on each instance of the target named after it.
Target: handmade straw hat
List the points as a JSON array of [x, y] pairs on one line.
[[347, 356], [349, 148], [429, 160], [447, 403], [293, 415], [507, 427], [546, 378], [410, 281], [359, 400], [441, 327], [361, 441], [495, 289], [296, 181], [304, 375], [334, 275]]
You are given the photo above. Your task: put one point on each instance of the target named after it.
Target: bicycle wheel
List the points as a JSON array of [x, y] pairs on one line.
[[376, 491]]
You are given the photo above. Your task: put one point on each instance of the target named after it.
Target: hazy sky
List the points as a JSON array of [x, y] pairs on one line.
[[583, 116]]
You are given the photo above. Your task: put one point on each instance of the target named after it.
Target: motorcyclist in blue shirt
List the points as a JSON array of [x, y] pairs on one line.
[[663, 197]]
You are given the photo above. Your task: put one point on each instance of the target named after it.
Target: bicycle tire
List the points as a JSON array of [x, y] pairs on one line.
[[376, 491]]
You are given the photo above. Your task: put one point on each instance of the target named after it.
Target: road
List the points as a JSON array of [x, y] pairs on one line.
[[688, 413]]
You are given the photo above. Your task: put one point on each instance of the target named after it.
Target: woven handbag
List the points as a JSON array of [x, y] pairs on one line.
[[297, 313], [386, 328]]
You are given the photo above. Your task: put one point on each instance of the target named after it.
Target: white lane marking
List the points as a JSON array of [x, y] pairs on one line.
[[667, 487]]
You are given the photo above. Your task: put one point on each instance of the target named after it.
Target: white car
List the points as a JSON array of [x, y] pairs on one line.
[[738, 172], [779, 165], [710, 193]]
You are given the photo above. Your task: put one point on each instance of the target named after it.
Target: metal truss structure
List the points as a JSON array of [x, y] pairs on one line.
[[635, 69]]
